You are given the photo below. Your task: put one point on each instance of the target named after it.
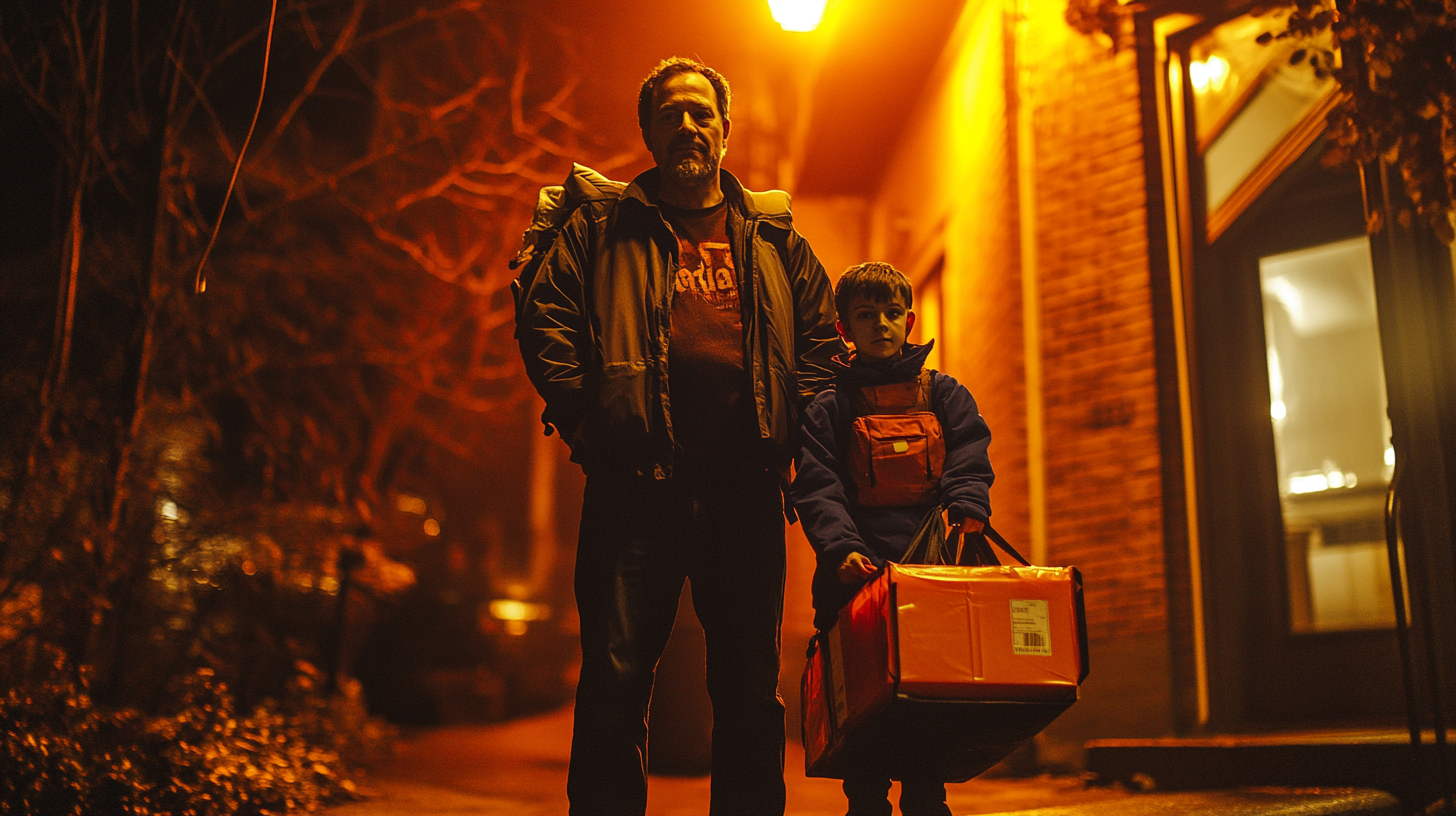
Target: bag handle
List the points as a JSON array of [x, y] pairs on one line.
[[982, 551], [930, 537], [931, 545]]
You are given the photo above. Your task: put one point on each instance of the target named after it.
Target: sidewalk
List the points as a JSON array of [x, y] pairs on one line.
[[519, 769]]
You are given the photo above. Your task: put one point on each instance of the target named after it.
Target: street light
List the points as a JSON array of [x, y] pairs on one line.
[[797, 15]]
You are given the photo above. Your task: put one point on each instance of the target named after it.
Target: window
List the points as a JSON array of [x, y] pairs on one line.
[[1331, 433], [1254, 111]]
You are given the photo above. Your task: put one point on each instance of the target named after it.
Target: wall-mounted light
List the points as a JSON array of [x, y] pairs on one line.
[[1208, 75], [514, 615], [797, 15]]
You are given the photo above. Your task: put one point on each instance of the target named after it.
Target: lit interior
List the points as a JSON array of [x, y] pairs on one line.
[[1331, 433]]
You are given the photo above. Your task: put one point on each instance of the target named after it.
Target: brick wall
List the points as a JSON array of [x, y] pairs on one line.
[[982, 285], [1103, 478], [949, 197]]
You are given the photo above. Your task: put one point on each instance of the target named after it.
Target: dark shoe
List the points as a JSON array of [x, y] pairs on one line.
[[922, 798], [868, 796]]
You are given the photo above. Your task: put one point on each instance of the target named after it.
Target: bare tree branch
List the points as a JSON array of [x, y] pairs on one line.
[[341, 43]]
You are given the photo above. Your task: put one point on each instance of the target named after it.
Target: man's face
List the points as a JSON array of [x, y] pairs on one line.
[[687, 135], [877, 328]]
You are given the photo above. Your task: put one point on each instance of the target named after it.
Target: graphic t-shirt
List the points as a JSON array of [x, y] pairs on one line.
[[706, 380]]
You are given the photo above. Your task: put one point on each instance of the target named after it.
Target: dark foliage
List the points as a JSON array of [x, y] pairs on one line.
[[198, 757], [201, 493]]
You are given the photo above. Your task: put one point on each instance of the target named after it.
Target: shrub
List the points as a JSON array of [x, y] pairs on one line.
[[64, 755]]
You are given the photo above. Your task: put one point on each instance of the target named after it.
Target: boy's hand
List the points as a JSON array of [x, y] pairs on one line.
[[969, 525], [856, 568]]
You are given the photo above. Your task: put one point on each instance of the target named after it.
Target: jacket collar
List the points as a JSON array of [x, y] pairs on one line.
[[849, 370], [772, 206]]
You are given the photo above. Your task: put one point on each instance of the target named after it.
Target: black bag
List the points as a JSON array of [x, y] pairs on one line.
[[932, 546]]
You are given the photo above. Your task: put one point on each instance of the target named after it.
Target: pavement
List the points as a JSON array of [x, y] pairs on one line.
[[518, 768]]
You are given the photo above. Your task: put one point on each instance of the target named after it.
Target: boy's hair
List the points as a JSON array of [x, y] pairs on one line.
[[670, 67], [873, 280]]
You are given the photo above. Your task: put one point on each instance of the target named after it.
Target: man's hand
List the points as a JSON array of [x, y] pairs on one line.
[[856, 568]]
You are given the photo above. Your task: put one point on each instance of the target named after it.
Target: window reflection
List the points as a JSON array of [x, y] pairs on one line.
[[1248, 99], [1331, 433]]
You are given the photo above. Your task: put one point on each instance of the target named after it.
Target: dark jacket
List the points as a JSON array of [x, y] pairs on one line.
[[823, 493], [595, 326]]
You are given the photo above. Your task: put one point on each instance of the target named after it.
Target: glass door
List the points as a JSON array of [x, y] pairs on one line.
[[1293, 462], [1291, 435], [1331, 434]]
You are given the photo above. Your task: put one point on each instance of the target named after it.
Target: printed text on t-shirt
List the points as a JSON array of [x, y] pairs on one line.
[[706, 270]]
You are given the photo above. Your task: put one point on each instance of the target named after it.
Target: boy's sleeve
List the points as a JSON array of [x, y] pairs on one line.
[[818, 490], [965, 483]]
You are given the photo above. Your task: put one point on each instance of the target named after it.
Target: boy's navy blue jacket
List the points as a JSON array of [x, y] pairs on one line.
[[824, 493]]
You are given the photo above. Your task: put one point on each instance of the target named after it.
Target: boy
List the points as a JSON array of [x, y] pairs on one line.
[[856, 516]]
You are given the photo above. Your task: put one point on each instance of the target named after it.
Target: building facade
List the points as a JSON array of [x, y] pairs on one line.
[[1192, 357]]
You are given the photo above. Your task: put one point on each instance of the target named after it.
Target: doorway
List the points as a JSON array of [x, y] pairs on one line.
[[1295, 461]]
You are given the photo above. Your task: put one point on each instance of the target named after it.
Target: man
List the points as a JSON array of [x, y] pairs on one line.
[[675, 332]]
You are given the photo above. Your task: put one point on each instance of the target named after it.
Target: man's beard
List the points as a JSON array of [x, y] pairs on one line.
[[694, 170]]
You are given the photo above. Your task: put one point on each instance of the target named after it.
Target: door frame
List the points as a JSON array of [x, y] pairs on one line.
[[1413, 281], [1263, 673]]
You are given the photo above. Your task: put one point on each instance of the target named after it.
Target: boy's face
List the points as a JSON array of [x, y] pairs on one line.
[[876, 327]]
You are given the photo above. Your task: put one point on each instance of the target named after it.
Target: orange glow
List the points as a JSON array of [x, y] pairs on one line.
[[797, 15], [1209, 74], [514, 615], [509, 610]]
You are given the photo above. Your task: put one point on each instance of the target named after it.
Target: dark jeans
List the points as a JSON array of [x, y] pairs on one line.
[[870, 796], [639, 540]]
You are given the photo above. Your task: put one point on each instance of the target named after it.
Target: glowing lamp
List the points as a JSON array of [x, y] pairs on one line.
[[1209, 75], [505, 609], [514, 614], [797, 15]]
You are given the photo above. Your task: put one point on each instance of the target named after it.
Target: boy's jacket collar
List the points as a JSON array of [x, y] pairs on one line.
[[849, 370]]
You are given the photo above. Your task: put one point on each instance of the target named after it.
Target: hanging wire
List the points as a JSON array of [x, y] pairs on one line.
[[200, 284]]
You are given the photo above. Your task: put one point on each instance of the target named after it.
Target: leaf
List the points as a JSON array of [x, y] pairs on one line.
[[1375, 222], [1444, 230]]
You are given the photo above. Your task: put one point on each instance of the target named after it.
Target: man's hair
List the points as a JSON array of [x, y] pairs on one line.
[[670, 67], [875, 281]]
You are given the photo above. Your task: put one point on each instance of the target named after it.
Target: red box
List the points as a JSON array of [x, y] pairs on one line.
[[952, 666]]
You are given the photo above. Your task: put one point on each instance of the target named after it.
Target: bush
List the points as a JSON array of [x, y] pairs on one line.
[[63, 755]]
